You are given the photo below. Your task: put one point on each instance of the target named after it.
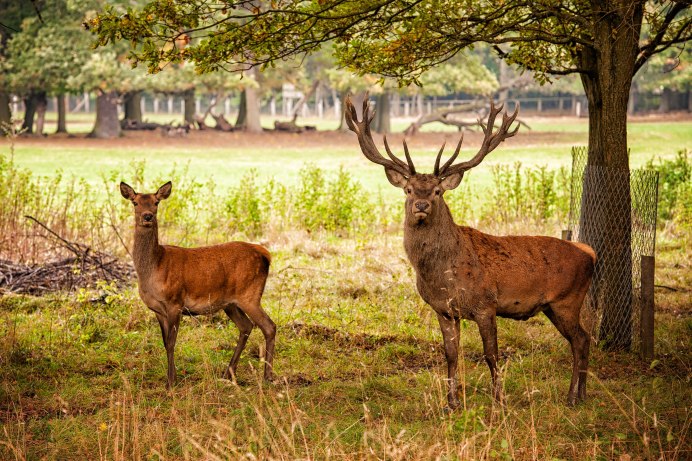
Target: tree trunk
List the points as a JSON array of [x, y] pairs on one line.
[[605, 221], [383, 119], [62, 114], [133, 106], [190, 110], [29, 113], [5, 112], [242, 111], [107, 124], [41, 107]]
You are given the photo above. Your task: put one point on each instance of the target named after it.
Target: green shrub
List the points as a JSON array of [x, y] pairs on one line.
[[673, 183]]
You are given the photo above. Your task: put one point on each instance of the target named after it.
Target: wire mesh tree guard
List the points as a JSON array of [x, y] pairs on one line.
[[612, 306]]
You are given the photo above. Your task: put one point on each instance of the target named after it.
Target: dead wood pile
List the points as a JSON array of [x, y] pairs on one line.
[[83, 268]]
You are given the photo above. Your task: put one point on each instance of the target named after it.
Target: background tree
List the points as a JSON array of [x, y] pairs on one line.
[[110, 75], [41, 57], [604, 42], [669, 74], [13, 14]]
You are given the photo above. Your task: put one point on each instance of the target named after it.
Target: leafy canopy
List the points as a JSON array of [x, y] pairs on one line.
[[391, 38]]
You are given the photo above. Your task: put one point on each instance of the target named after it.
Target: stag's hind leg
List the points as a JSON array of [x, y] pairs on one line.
[[566, 320], [245, 327]]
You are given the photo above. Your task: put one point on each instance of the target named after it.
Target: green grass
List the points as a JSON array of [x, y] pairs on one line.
[[282, 157], [359, 355], [362, 376]]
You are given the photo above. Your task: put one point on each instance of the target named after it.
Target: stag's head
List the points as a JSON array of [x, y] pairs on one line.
[[424, 192], [146, 205]]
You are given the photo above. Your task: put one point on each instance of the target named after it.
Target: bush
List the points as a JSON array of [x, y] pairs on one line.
[[673, 184]]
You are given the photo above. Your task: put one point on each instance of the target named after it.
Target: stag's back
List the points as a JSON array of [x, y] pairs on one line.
[[525, 274]]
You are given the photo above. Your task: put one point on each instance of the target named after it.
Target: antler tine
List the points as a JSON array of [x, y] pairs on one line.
[[490, 141], [367, 145], [452, 158], [436, 171], [411, 168], [392, 156]]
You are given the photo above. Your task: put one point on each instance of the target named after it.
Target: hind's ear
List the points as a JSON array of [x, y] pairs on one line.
[[164, 191], [127, 192]]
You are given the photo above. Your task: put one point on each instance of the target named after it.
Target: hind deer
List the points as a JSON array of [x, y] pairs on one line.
[[463, 273], [176, 281]]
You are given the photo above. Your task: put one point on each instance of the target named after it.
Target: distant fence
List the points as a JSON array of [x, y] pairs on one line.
[[622, 309], [406, 107]]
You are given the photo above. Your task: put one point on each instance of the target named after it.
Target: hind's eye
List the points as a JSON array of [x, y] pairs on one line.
[[437, 191], [134, 203], [156, 202]]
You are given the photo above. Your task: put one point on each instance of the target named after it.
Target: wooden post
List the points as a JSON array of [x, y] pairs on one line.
[[567, 234], [646, 322]]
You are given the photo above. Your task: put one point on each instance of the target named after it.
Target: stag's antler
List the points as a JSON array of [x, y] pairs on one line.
[[490, 142], [367, 145]]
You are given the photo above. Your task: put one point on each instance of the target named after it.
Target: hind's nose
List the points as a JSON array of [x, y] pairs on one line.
[[148, 217]]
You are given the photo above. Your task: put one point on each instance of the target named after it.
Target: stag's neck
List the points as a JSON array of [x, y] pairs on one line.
[[147, 252], [437, 242]]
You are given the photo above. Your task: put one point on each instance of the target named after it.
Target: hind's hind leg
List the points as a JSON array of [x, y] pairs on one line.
[[245, 326]]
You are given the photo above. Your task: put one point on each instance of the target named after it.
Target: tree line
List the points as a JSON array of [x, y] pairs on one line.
[[46, 51]]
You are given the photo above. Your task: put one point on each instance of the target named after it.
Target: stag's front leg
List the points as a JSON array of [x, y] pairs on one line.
[[488, 328], [450, 336]]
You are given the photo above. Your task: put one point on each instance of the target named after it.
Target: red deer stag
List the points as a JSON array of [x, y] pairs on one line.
[[176, 281], [464, 273]]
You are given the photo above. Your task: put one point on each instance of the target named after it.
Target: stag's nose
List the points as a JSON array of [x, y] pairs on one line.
[[422, 205], [148, 217]]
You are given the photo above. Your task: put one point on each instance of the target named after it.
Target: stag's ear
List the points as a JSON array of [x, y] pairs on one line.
[[127, 192], [451, 181], [395, 178], [164, 191]]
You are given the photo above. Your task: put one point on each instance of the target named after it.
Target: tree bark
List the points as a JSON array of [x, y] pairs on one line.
[[383, 119], [189, 100], [133, 106], [107, 124], [5, 111], [29, 113], [605, 221], [62, 113], [242, 111], [41, 107]]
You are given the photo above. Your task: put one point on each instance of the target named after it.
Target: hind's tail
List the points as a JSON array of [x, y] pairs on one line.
[[587, 249]]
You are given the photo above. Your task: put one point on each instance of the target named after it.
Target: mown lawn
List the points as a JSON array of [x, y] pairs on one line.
[[225, 157]]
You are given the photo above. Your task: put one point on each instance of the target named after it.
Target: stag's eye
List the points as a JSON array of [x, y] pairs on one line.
[[409, 190], [156, 203], [134, 203], [437, 191]]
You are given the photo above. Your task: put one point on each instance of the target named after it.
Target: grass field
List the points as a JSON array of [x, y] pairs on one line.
[[359, 356], [226, 156]]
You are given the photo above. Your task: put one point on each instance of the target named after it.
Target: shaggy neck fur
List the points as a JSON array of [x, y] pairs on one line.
[[146, 252], [432, 245]]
